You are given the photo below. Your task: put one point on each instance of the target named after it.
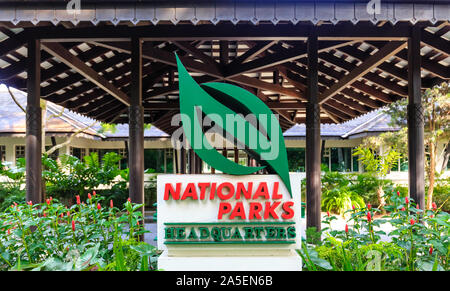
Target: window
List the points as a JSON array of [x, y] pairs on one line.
[[80, 153], [355, 162], [2, 153], [154, 159], [296, 159], [325, 161], [169, 160], [402, 165], [20, 151], [341, 159]]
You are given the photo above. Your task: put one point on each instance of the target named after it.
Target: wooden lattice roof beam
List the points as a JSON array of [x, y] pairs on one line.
[[432, 67], [100, 104], [436, 42], [257, 49], [371, 62], [75, 63]]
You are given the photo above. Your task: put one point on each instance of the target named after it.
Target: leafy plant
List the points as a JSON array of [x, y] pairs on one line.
[[70, 175], [85, 236], [420, 240]]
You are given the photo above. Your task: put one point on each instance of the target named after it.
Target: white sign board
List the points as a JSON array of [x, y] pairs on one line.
[[226, 222]]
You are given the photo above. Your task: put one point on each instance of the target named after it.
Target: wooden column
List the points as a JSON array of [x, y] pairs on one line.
[[183, 160], [416, 152], [136, 125], [198, 164], [313, 190], [33, 140], [191, 157]]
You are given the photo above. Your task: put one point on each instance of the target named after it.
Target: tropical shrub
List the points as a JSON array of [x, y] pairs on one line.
[[85, 236], [11, 190], [420, 240], [70, 175], [441, 194], [337, 195], [367, 186]]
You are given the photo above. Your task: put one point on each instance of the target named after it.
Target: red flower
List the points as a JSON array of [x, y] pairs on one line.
[[51, 198], [48, 201], [93, 193], [73, 225], [434, 206], [403, 209], [129, 199], [406, 200], [98, 206], [62, 215], [369, 217], [68, 213], [412, 221], [369, 206], [398, 193], [45, 215], [78, 199], [111, 204], [328, 213], [431, 250], [9, 231], [417, 206], [30, 203], [353, 207], [346, 228], [431, 216], [89, 196], [137, 222]]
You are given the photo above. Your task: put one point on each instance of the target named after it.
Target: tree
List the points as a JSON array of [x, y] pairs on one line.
[[436, 106]]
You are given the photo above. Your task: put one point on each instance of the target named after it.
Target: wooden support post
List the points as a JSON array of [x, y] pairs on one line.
[[183, 160], [136, 126], [191, 161], [313, 187], [198, 164], [416, 151], [33, 140]]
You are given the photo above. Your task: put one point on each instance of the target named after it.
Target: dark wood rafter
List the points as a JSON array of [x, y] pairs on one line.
[[252, 52], [75, 63], [263, 32], [75, 77], [373, 61], [273, 65]]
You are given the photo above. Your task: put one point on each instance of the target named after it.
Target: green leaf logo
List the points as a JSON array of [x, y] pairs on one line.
[[265, 144]]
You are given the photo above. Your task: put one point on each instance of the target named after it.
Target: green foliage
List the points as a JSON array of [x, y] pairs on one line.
[[366, 185], [420, 240], [351, 257], [50, 236], [377, 164], [70, 176], [12, 190], [441, 194], [337, 195]]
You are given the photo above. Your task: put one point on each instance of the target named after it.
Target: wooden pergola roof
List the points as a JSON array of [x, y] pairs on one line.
[[86, 65]]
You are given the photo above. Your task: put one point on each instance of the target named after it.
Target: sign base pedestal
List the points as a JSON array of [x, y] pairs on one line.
[[248, 263]]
